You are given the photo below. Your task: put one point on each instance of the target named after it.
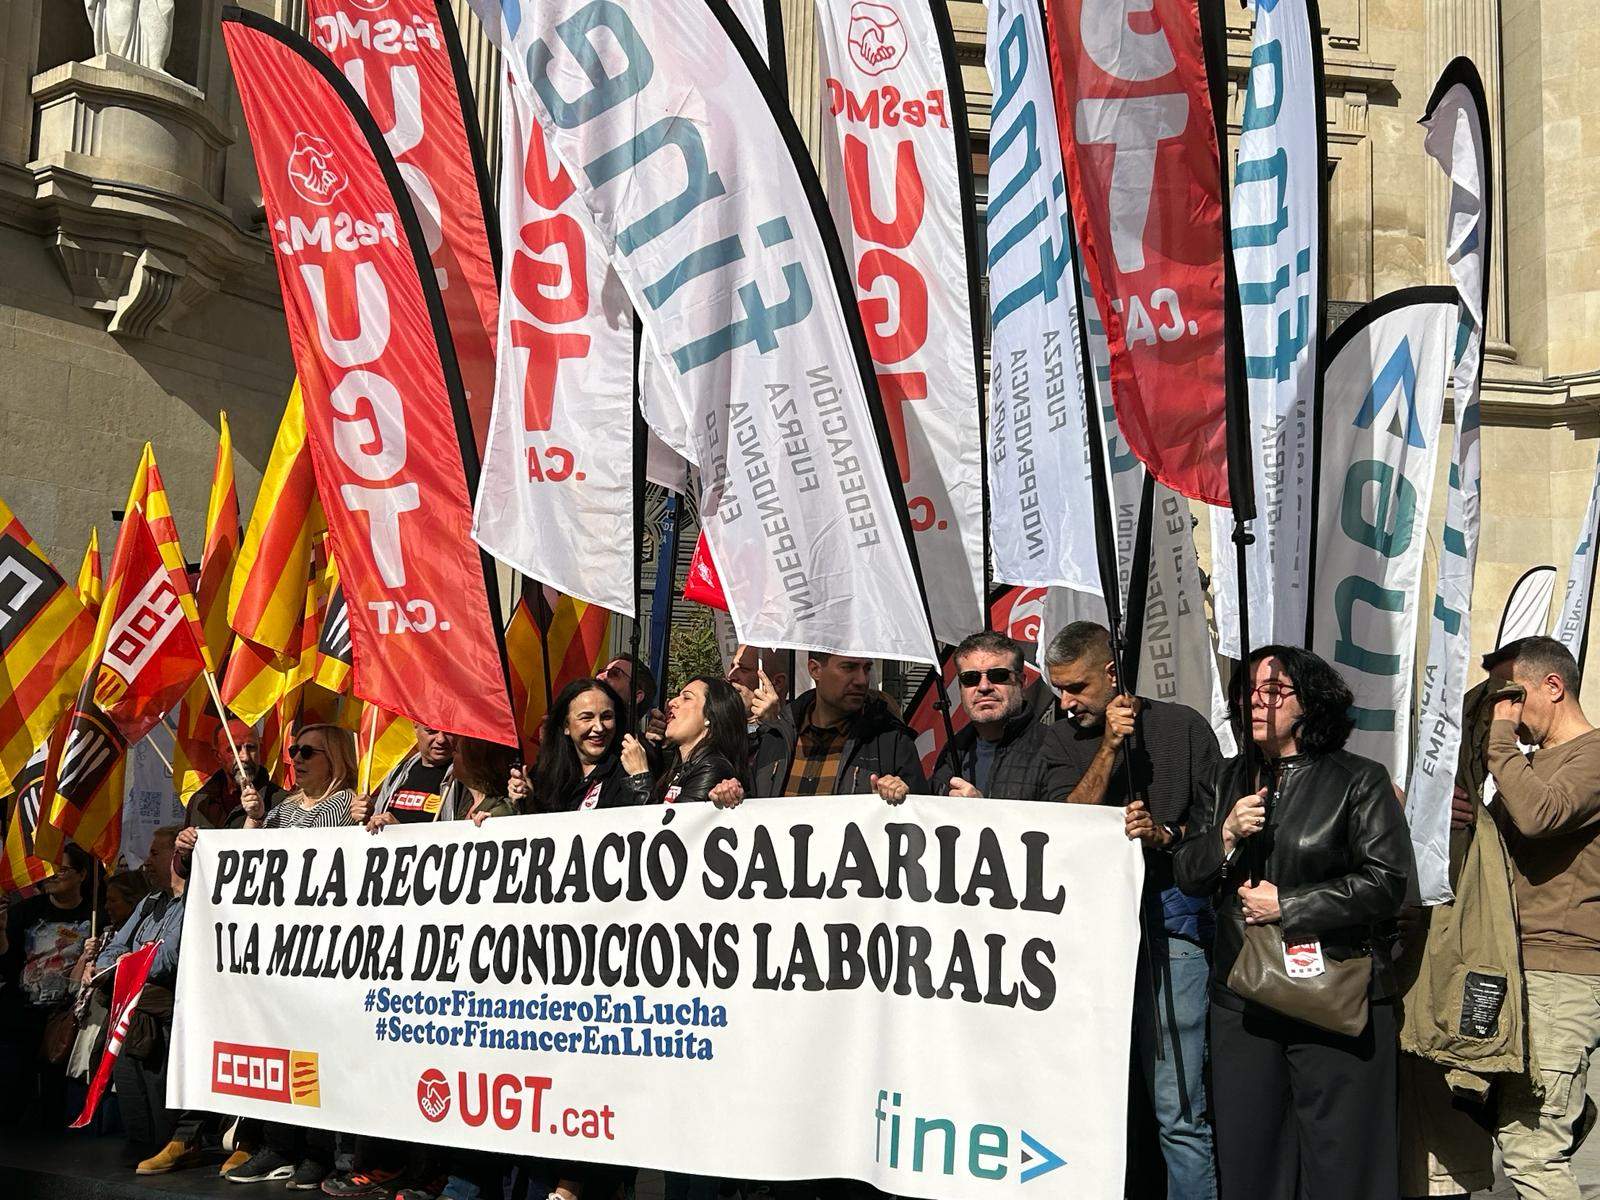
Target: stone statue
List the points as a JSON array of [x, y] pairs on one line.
[[137, 30]]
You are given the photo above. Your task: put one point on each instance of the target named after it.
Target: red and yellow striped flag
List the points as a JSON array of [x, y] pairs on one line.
[[382, 740], [21, 869], [148, 649], [91, 584], [267, 598], [45, 639], [193, 756], [550, 628]]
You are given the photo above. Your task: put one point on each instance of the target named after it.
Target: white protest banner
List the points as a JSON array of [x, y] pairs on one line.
[[1039, 474], [698, 183], [852, 985], [1383, 399], [1572, 626], [1176, 659], [555, 499], [1457, 122], [1277, 256], [899, 171]]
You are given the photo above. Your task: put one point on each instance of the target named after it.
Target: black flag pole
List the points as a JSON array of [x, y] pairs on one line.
[[639, 463], [1241, 472]]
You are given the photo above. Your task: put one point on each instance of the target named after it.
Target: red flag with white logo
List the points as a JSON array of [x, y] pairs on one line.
[[126, 988], [386, 418], [1139, 143], [403, 57]]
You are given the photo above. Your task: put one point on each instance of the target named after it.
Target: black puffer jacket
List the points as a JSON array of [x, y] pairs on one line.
[[877, 743], [1018, 771], [1335, 844]]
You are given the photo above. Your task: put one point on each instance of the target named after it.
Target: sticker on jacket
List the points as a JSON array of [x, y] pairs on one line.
[[672, 795], [414, 800], [591, 798], [1482, 997], [1303, 960]]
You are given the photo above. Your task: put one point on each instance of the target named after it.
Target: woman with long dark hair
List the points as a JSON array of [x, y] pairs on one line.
[[1307, 837], [580, 747], [707, 730]]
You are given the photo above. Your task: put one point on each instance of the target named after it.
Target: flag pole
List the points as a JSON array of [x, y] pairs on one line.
[[639, 465], [366, 759], [222, 712]]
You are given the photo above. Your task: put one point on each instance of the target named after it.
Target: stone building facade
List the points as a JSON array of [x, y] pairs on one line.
[[138, 298]]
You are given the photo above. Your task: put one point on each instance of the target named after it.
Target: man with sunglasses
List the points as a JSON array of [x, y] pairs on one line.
[[997, 752], [1146, 757]]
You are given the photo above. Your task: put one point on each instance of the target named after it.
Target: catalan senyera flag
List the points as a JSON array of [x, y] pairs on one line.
[[266, 600], [45, 639], [91, 583], [261, 677], [551, 633], [193, 756], [148, 650], [334, 654], [382, 740]]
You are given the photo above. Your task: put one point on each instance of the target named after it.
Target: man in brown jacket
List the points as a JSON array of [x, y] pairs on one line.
[[1548, 808]]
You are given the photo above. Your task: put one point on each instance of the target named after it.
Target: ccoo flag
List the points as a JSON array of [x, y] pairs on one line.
[[1277, 237], [898, 164], [1457, 123], [1139, 141], [1038, 437], [717, 226], [556, 497], [386, 422], [403, 57], [45, 636]]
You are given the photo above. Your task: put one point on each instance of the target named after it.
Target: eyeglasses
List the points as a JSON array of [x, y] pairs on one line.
[[1272, 694], [999, 676], [303, 752]]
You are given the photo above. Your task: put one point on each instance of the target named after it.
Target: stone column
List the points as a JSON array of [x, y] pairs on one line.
[[1471, 28], [805, 90], [486, 73]]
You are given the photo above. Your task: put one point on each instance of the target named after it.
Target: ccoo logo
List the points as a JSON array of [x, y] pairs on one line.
[[433, 1095], [877, 37], [314, 173]]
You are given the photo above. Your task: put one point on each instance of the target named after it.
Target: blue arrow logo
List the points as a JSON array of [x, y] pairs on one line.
[[1042, 1159]]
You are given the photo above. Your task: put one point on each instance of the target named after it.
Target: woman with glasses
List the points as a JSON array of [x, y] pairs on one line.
[[1303, 835], [324, 758]]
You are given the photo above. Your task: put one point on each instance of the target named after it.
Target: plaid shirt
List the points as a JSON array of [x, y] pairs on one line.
[[818, 754]]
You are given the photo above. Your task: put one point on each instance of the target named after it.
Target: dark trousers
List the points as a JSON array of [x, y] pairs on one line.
[[142, 1097], [298, 1144], [1302, 1114]]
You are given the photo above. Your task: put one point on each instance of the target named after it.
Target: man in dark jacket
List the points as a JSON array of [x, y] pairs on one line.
[[837, 739], [1148, 758], [997, 753], [216, 804]]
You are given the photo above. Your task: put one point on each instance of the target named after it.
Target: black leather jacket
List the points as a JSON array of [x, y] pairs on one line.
[[1336, 845], [689, 781]]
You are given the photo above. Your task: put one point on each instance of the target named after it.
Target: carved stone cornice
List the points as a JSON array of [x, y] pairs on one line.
[[124, 191]]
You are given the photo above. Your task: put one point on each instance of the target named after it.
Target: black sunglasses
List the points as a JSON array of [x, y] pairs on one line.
[[299, 752], [1000, 676]]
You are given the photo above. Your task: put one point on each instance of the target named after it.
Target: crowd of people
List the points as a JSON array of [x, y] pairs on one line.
[[1291, 860]]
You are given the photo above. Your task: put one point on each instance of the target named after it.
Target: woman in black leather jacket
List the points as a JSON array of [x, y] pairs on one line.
[[1300, 1112], [580, 748], [706, 730]]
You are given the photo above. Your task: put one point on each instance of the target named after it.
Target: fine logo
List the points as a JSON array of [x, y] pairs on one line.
[[877, 37], [314, 171], [433, 1095]]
